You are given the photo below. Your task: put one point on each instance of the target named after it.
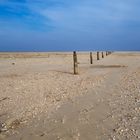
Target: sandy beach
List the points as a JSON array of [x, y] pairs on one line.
[[41, 98]]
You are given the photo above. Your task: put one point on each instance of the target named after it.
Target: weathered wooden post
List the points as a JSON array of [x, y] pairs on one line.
[[75, 63], [91, 59], [106, 53], [98, 57], [102, 54]]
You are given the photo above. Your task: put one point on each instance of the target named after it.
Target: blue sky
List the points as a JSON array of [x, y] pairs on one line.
[[66, 25]]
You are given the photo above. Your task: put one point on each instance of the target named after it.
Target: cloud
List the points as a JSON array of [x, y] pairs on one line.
[[61, 23], [22, 15], [78, 15], [90, 14]]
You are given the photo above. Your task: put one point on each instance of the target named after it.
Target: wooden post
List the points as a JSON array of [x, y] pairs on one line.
[[91, 59], [98, 57], [75, 63], [102, 54], [106, 53]]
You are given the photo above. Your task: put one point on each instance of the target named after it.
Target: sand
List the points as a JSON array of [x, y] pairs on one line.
[[41, 99]]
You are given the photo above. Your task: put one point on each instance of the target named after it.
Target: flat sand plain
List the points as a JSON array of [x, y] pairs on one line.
[[41, 99]]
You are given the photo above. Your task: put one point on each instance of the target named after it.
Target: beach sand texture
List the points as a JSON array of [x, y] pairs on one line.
[[41, 98]]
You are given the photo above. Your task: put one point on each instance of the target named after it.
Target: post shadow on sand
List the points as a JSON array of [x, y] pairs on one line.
[[107, 66]]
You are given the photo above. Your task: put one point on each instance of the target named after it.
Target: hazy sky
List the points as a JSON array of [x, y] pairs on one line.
[[62, 25]]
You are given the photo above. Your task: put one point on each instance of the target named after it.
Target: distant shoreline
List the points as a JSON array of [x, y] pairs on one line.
[[48, 54]]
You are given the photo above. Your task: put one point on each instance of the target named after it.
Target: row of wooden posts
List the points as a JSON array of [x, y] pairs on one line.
[[75, 61]]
